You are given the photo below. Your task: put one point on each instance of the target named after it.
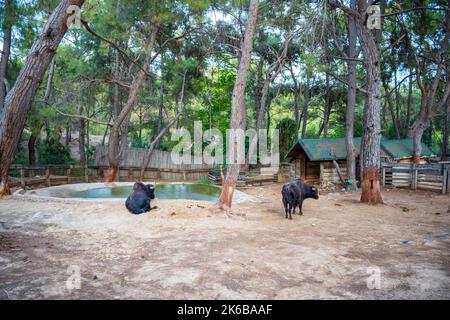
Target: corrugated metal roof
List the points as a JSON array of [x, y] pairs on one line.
[[327, 149], [403, 148], [334, 148]]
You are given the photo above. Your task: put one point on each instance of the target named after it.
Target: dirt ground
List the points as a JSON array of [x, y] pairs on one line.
[[339, 249]]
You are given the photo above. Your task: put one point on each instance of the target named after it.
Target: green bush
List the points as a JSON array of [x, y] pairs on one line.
[[53, 152], [203, 180], [20, 157]]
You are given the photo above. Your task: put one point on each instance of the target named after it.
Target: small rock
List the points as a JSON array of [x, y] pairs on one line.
[[173, 213], [437, 213], [95, 277], [313, 224], [200, 206]]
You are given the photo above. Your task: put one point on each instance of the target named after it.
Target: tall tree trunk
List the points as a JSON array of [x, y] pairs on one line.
[[20, 98], [305, 107], [32, 150], [445, 136], [238, 111], [408, 104], [134, 90], [371, 190], [7, 31], [68, 132], [81, 137], [258, 88], [351, 96], [297, 94], [328, 106], [160, 105]]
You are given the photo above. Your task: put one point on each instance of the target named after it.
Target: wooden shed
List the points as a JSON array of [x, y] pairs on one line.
[[312, 159]]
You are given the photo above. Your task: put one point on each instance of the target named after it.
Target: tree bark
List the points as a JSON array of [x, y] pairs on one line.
[[371, 190], [32, 150], [328, 106], [351, 97], [305, 107], [134, 90], [7, 31], [408, 104], [238, 111], [68, 132], [19, 99], [297, 94], [81, 137], [161, 104]]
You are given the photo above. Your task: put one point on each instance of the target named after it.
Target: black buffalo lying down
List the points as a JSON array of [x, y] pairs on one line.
[[294, 193], [139, 199]]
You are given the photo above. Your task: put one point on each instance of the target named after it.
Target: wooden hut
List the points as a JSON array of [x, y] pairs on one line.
[[312, 159]]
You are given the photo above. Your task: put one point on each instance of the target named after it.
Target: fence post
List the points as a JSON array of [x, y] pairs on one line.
[[22, 177], [47, 176], [383, 176], [444, 181], [118, 173], [68, 172], [130, 173], [448, 180], [414, 178], [86, 174]]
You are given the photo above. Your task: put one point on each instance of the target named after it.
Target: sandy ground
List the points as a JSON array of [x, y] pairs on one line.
[[338, 249]]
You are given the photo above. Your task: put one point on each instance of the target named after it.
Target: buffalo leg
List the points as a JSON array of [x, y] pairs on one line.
[[300, 207], [290, 208], [285, 204]]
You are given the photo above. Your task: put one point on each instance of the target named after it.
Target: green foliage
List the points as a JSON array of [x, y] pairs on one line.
[[53, 152], [21, 156], [203, 180], [90, 154]]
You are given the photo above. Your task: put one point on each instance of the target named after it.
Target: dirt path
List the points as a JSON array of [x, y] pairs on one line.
[[337, 249]]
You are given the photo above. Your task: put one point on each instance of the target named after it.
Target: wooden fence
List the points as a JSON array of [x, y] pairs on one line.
[[52, 175], [49, 175], [434, 177]]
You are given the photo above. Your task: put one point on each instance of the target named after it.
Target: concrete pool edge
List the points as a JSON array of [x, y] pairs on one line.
[[51, 193]]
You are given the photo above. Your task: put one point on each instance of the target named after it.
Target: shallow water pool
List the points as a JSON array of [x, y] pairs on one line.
[[163, 191]]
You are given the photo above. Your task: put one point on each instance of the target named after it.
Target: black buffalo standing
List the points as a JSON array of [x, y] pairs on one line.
[[139, 199], [294, 193]]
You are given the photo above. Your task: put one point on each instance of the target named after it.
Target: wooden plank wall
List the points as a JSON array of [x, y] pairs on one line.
[[433, 177], [133, 158]]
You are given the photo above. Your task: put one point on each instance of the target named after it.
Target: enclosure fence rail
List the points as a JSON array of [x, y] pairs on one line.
[[26, 176], [51, 175], [433, 177]]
